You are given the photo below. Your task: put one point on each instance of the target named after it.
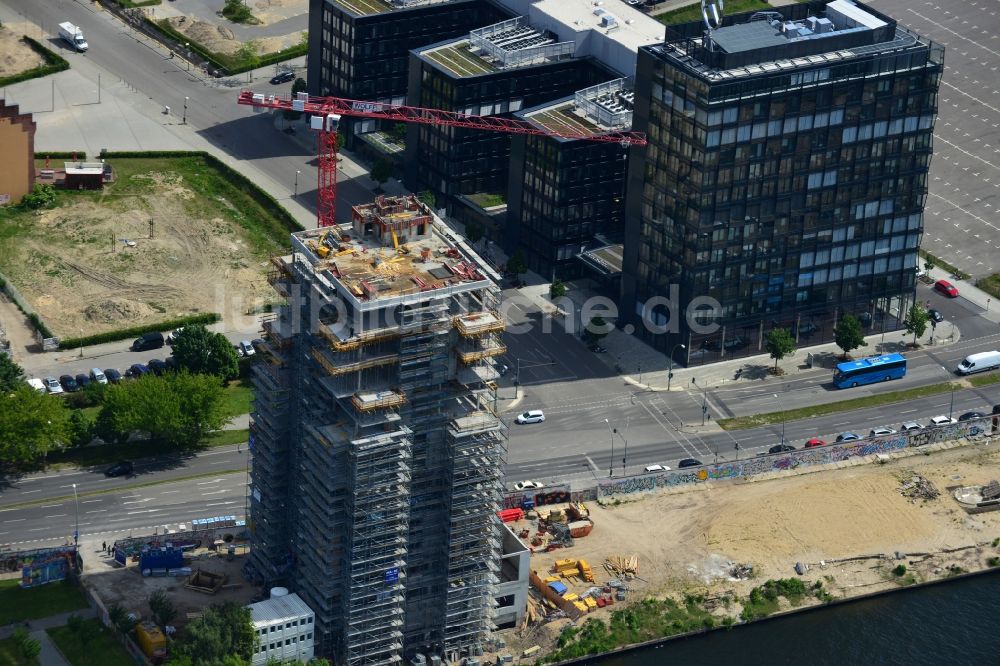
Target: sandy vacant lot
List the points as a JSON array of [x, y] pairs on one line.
[[217, 35], [74, 268], [687, 541], [15, 55]]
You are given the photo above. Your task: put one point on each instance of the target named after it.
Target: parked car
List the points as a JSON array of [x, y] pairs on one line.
[[157, 366], [52, 385], [36, 384], [284, 77], [97, 375], [148, 342], [598, 349], [172, 335], [879, 432], [946, 288], [82, 380], [814, 442], [807, 329], [171, 364], [996, 410], [689, 462], [735, 343], [657, 468], [531, 416], [910, 426], [121, 468], [781, 448], [136, 370], [935, 316], [941, 420], [528, 485], [113, 375], [848, 437], [68, 383], [246, 347], [968, 416]]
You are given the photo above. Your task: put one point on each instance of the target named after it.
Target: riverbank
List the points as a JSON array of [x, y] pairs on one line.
[[852, 529]]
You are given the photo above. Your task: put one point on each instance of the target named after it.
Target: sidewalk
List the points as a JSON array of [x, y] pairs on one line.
[[970, 292]]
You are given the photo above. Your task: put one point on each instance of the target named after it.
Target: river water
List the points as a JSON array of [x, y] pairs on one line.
[[953, 623]]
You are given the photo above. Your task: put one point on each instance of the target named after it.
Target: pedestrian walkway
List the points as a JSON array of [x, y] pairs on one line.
[[43, 623]]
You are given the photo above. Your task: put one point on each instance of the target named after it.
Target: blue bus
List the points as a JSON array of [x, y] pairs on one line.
[[870, 370]]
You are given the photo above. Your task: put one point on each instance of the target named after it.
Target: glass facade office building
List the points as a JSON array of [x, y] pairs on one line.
[[785, 178]]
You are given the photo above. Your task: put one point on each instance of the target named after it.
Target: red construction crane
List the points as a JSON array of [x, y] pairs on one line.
[[326, 112]]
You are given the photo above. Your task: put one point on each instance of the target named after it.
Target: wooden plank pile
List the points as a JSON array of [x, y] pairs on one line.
[[622, 566]]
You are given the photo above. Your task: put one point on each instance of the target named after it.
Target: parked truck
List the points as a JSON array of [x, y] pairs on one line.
[[73, 35]]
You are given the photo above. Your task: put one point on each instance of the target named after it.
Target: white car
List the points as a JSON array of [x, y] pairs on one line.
[[941, 420], [246, 348], [97, 375], [531, 416], [172, 335], [878, 432], [36, 384], [657, 468], [528, 485], [53, 385], [911, 425]]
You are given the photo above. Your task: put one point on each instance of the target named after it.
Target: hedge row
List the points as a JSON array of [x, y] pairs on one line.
[[132, 5], [136, 331], [233, 177], [60, 154], [53, 63], [228, 63]]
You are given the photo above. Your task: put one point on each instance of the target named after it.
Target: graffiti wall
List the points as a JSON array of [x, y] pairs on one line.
[[821, 455], [39, 566], [541, 497]]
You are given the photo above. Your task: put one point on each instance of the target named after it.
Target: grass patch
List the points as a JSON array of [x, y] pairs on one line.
[[740, 422], [237, 398], [988, 379], [763, 600], [642, 621], [91, 645], [10, 654], [486, 199], [106, 454], [17, 604], [693, 12], [227, 438], [990, 284], [53, 63], [941, 263]]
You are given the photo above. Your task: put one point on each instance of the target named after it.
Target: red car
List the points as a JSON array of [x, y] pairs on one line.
[[946, 288], [815, 441]]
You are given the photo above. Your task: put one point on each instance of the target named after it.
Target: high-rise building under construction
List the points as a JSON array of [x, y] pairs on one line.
[[377, 454]]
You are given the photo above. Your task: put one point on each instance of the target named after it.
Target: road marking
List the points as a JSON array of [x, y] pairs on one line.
[[205, 483], [221, 462], [50, 506], [138, 501], [842, 423], [220, 503], [28, 492], [132, 513], [91, 501], [58, 515], [14, 520], [909, 411], [98, 511], [592, 463], [168, 492], [215, 492]]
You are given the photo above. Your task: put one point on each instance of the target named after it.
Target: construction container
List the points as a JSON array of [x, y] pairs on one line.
[[511, 515], [563, 565], [580, 528], [152, 641]]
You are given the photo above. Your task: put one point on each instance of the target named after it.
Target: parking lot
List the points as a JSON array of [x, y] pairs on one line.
[[961, 224]]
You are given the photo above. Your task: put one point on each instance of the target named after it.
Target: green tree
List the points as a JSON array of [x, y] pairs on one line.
[[516, 265], [222, 632], [298, 85], [473, 232], [237, 12], [81, 429], [200, 351], [398, 132], [557, 289], [381, 171], [427, 197], [847, 334], [41, 196], [28, 646], [248, 53], [11, 374], [916, 321], [161, 607], [31, 425], [121, 623], [779, 343], [596, 329]]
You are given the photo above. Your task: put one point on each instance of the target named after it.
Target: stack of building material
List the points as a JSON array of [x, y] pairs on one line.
[[622, 566], [585, 571]]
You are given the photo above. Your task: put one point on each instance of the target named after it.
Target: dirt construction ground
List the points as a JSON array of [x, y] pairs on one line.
[[15, 55], [687, 541], [216, 33]]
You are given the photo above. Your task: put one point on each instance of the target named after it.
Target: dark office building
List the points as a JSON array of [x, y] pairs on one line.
[[496, 70], [785, 177], [564, 192], [360, 48]]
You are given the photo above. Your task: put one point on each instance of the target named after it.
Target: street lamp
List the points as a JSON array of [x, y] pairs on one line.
[[782, 419], [611, 465], [951, 406], [184, 118], [187, 55], [76, 534], [670, 363], [297, 172]]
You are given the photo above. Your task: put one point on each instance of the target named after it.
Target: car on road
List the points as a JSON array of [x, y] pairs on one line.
[[848, 437], [172, 335], [246, 348], [52, 385], [528, 485], [935, 316], [968, 416], [68, 383], [36, 384], [689, 462], [97, 375], [112, 375], [598, 349], [120, 468], [910, 426], [815, 441], [148, 342], [940, 421], [880, 432], [502, 368], [781, 448], [283, 77], [157, 366], [82, 380], [136, 370], [657, 468], [531, 416], [946, 288]]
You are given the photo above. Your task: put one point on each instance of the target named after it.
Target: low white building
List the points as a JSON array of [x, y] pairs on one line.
[[284, 625]]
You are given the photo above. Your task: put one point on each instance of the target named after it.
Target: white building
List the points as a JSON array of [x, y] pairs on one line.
[[284, 625]]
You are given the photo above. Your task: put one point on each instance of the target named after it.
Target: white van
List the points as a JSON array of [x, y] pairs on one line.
[[36, 384], [980, 362], [73, 35]]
